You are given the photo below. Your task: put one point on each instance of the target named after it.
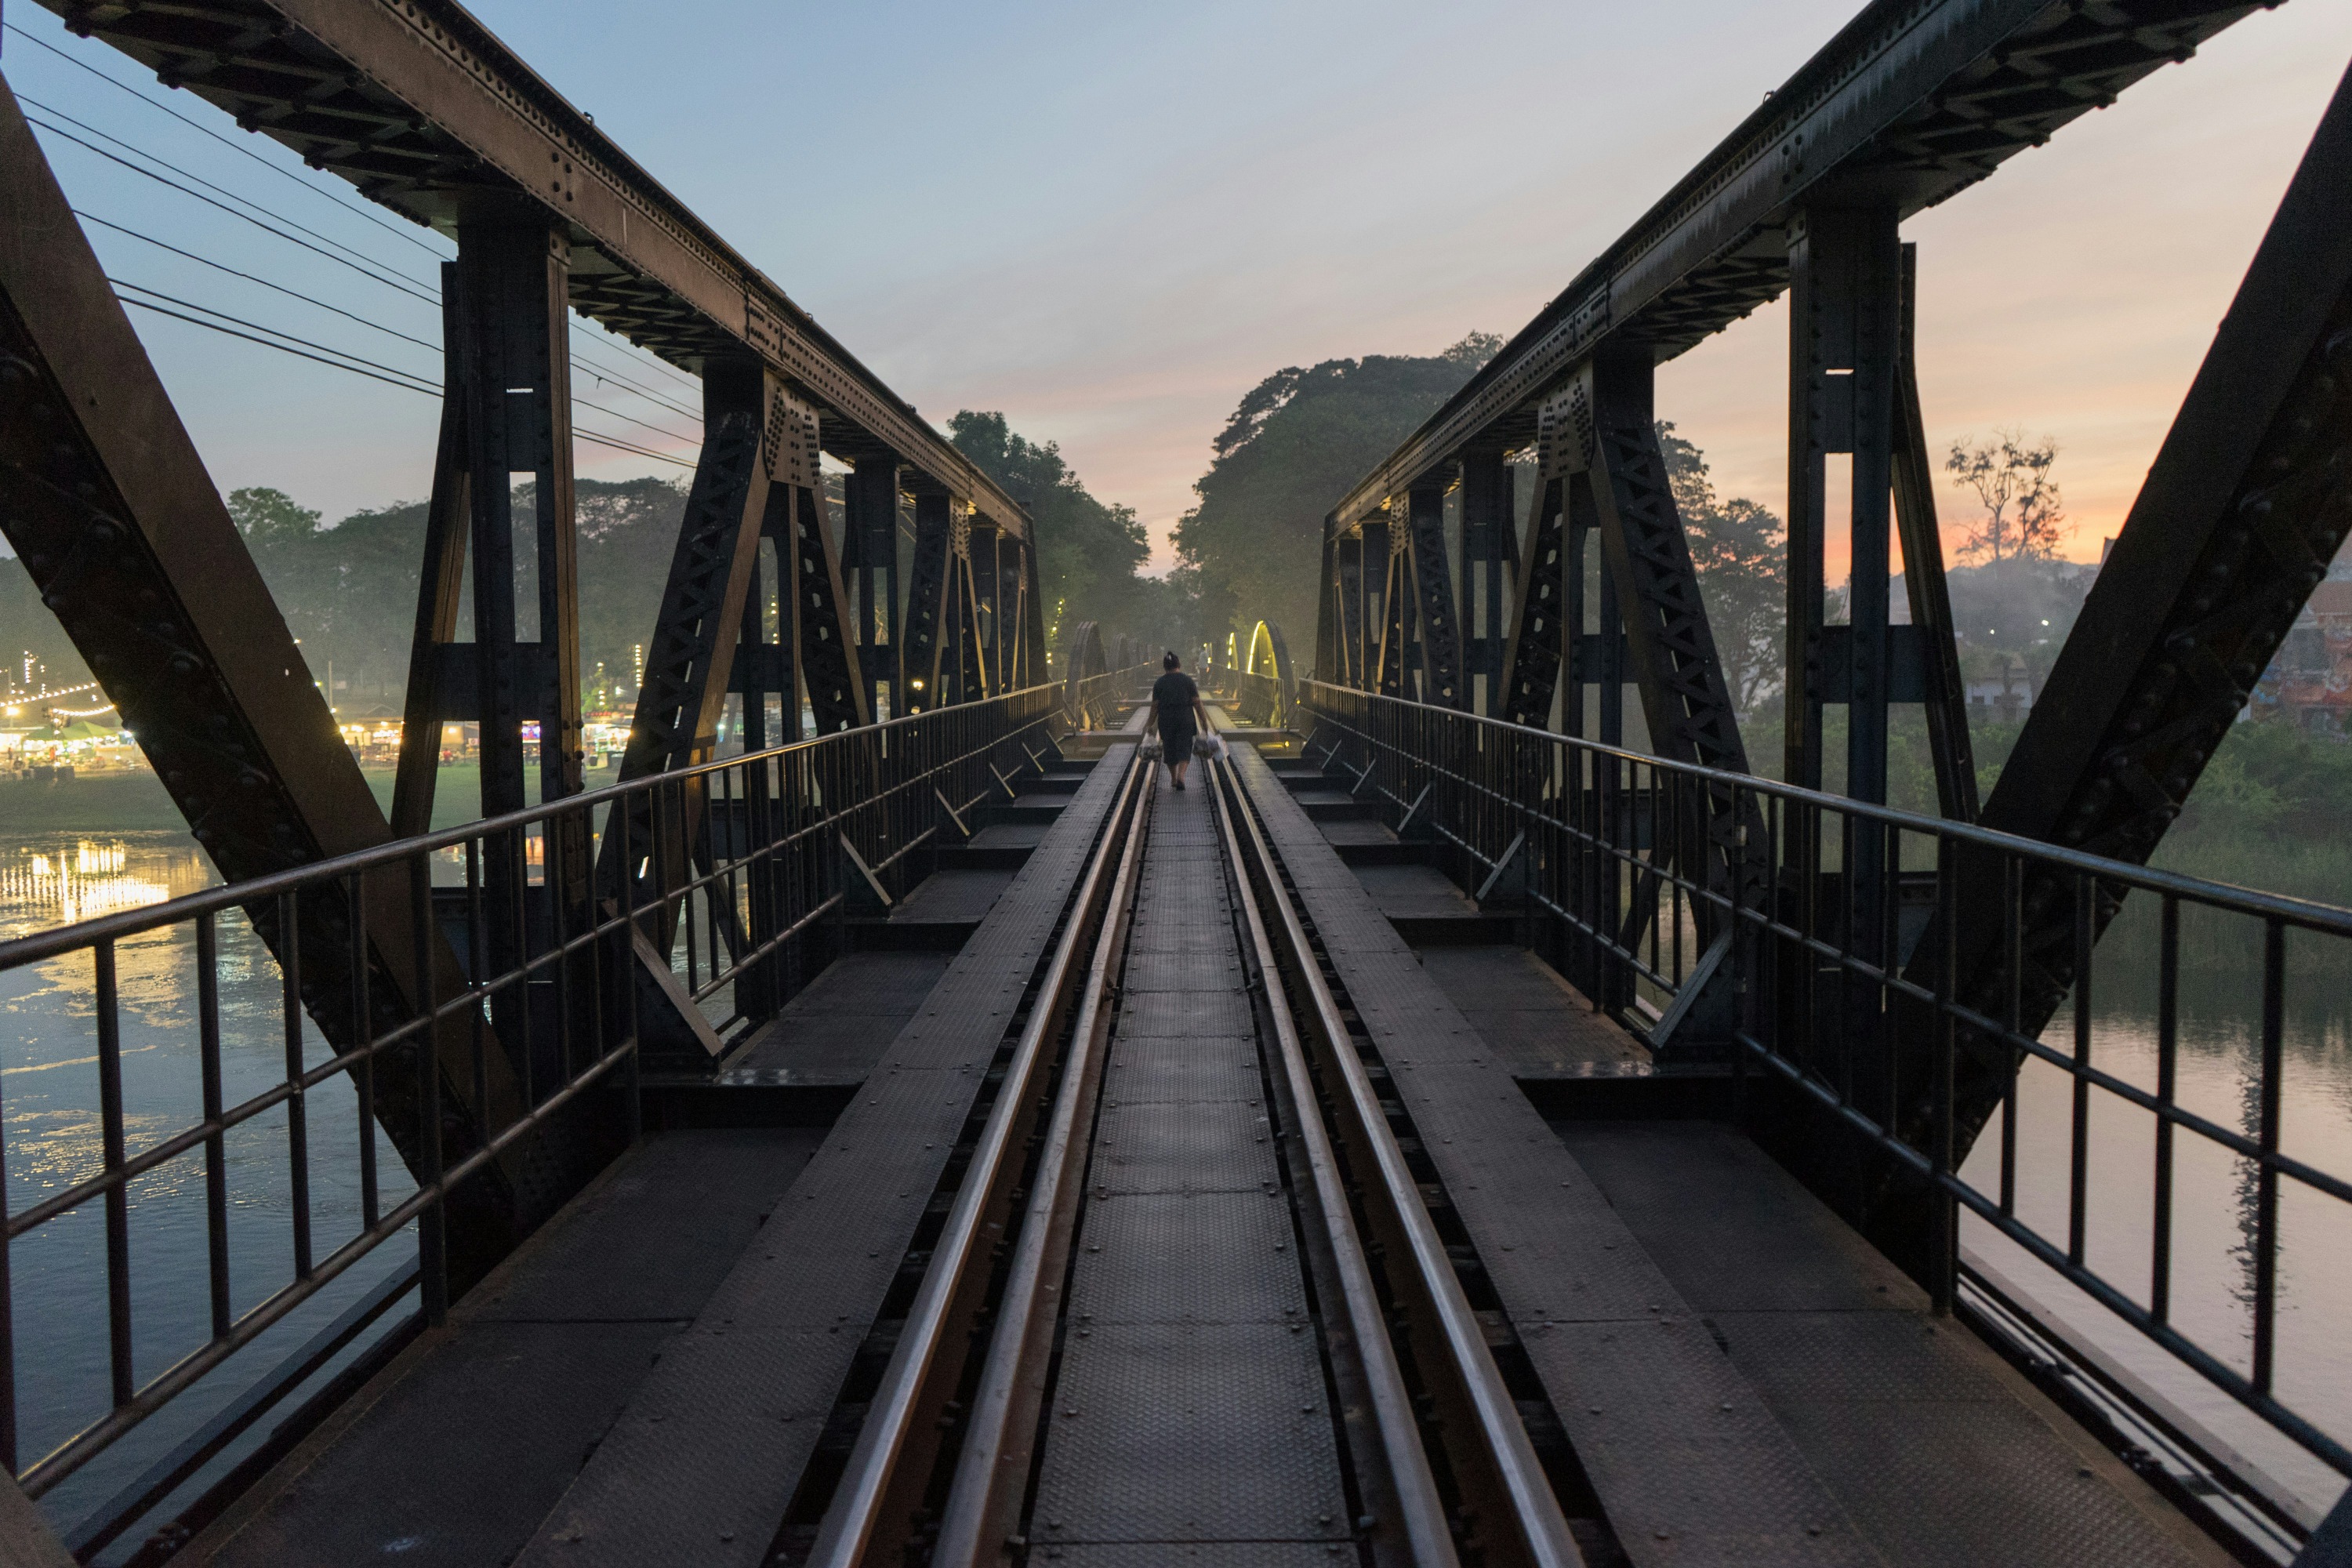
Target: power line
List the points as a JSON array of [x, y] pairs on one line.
[[652, 362], [648, 394], [374, 370], [356, 255], [656, 429], [225, 141], [298, 353], [395, 280], [265, 283], [625, 446], [274, 332]]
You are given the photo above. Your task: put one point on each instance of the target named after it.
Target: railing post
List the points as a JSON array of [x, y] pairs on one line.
[[432, 1239], [1942, 1208]]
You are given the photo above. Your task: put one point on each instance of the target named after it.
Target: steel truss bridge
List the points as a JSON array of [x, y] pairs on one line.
[[1440, 1134]]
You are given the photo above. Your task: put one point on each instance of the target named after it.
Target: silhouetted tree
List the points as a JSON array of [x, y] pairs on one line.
[[2011, 478]]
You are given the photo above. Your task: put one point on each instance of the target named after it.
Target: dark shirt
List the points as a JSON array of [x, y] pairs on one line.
[[1173, 694]]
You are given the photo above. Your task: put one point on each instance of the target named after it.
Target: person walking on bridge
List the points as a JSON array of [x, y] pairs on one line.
[[1175, 705]]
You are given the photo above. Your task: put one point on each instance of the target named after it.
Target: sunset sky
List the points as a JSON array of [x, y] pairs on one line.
[[1111, 222]]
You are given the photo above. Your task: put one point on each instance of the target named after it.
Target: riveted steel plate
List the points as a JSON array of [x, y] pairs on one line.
[[1185, 1069], [1190, 972], [1188, 1433], [1203, 1258], [1731, 1228], [1884, 1404], [1154, 1012], [1204, 1146], [1209, 1555], [681, 1206], [457, 1462], [1689, 1462]]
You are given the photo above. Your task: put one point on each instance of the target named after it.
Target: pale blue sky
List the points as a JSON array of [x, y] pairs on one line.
[[1111, 221]]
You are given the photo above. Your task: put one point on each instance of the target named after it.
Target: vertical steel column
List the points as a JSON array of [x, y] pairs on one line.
[[871, 553], [1539, 640], [1350, 607], [1845, 314], [1845, 319], [1434, 603], [1489, 560], [1946, 690], [927, 600], [1327, 609], [512, 305], [1389, 664], [441, 585], [825, 645]]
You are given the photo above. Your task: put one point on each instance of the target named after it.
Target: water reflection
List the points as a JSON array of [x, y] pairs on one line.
[[49, 882], [2213, 1209], [49, 1112]]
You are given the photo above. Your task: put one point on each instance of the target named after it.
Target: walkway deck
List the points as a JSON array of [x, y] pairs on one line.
[[643, 1383], [1741, 1379]]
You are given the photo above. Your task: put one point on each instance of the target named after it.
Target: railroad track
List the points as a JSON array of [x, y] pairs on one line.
[[1189, 1289]]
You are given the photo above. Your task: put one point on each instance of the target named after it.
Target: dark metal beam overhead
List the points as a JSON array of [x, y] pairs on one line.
[[421, 106], [1911, 103]]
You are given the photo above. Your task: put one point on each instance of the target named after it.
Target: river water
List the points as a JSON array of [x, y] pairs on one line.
[[49, 1097], [50, 1100]]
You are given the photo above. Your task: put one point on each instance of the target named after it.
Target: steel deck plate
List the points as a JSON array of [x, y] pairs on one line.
[[1155, 1452], [738, 1397]]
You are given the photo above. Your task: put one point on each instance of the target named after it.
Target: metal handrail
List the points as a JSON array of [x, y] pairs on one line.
[[1604, 837], [803, 799]]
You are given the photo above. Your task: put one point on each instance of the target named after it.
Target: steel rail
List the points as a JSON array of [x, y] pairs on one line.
[[1429, 1537], [992, 1471], [1499, 1436], [857, 1513]]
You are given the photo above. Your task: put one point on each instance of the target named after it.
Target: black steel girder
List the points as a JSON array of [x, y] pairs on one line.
[[2247, 502], [104, 498], [1434, 599], [425, 112], [1912, 101]]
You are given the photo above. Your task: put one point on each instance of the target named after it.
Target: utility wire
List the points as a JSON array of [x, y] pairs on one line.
[[392, 380], [388, 374], [625, 446], [132, 147], [265, 283], [274, 332], [656, 429], [651, 361], [602, 372], [197, 125], [354, 207], [395, 280]]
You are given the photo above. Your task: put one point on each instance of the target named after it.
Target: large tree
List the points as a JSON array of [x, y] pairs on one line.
[[1293, 447], [1740, 550], [1088, 549]]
